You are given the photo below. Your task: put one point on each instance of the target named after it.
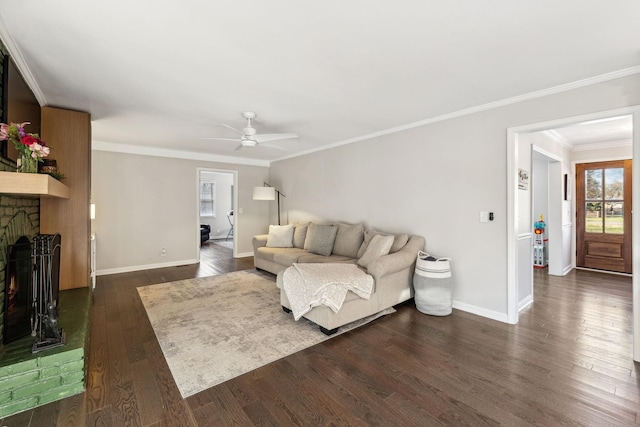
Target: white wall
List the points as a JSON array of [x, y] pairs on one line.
[[540, 178], [434, 180], [146, 203]]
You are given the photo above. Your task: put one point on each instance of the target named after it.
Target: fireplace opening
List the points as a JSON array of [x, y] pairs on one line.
[[18, 299]]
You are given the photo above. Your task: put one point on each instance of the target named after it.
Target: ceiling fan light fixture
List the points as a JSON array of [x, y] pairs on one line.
[[248, 142]]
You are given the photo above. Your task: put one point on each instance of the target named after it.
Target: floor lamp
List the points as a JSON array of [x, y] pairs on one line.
[[268, 192]]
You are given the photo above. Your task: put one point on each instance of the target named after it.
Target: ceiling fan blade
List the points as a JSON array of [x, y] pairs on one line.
[[274, 146], [233, 129], [223, 139], [274, 136]]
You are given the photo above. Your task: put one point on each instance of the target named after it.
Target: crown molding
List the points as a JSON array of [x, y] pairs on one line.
[[480, 108], [174, 154], [18, 59], [603, 145], [559, 139]]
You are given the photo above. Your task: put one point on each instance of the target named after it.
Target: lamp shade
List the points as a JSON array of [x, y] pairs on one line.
[[264, 193]]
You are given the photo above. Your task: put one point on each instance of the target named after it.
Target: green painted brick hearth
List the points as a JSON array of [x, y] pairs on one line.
[[18, 368], [14, 382], [16, 406], [28, 380], [36, 388], [5, 397], [61, 393]]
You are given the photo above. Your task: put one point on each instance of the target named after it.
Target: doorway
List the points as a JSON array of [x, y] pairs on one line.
[[217, 200], [516, 256], [603, 215], [547, 207]]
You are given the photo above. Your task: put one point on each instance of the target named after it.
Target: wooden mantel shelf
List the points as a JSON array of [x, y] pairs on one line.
[[32, 184]]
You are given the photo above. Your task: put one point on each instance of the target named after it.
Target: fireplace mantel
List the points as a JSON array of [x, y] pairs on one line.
[[32, 184]]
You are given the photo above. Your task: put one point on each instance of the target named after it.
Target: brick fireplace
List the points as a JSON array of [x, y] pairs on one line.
[[19, 216], [28, 380]]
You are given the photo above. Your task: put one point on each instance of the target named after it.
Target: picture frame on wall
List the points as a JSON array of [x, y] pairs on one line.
[[523, 179]]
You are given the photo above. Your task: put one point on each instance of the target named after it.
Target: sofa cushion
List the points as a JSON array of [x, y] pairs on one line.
[[269, 254], [315, 258], [321, 238], [379, 246], [280, 236], [289, 256], [349, 238], [300, 234], [399, 241]]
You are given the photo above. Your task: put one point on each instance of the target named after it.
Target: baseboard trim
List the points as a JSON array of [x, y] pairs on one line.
[[473, 309], [243, 255], [144, 267], [595, 270], [525, 303]]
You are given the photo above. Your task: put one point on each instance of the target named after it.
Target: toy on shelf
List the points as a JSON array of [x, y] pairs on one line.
[[540, 242]]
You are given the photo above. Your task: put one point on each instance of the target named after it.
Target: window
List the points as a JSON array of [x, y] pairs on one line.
[[604, 200], [207, 198]]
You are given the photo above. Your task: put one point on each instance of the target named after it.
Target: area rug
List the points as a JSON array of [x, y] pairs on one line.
[[212, 329]]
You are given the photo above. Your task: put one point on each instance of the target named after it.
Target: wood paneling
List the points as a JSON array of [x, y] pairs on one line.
[[68, 133]]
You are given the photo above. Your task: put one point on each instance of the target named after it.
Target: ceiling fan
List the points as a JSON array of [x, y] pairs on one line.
[[249, 138]]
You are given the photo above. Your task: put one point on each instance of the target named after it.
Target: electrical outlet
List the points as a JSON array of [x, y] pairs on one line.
[[163, 252]]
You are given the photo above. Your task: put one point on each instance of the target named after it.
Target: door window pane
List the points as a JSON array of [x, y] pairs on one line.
[[613, 183], [593, 217], [593, 180], [614, 217]]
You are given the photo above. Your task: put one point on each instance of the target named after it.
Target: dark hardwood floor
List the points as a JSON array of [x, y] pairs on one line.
[[567, 362]]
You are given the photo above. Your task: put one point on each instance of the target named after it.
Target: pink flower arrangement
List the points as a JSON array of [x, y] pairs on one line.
[[28, 144]]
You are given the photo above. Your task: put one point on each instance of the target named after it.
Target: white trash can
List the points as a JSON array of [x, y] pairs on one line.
[[432, 284]]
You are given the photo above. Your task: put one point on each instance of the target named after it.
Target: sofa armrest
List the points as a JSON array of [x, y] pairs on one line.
[[259, 241], [398, 261]]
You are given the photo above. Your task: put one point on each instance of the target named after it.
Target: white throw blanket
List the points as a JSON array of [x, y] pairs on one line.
[[309, 285]]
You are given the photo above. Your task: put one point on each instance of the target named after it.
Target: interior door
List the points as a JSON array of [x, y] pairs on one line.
[[603, 211]]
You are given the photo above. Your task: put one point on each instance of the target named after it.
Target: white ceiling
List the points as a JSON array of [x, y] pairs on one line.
[[161, 74], [595, 133]]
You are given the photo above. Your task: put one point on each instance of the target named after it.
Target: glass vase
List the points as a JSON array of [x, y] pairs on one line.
[[27, 164]]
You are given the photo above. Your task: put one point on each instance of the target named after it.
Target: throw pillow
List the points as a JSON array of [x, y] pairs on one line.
[[368, 235], [300, 234], [280, 236], [322, 238], [378, 247], [349, 238], [399, 240]]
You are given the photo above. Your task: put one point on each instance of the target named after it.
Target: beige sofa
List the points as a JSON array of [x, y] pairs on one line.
[[392, 273]]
